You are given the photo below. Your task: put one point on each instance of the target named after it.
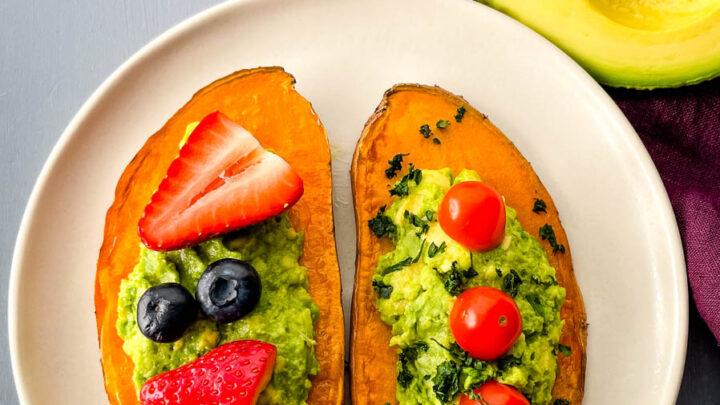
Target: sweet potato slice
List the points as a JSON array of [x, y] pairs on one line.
[[473, 144], [264, 101]]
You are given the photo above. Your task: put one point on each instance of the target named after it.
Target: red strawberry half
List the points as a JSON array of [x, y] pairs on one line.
[[222, 180], [235, 373]]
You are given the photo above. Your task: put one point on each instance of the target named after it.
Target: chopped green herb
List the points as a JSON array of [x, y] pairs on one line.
[[561, 401], [460, 113], [416, 221], [436, 141], [453, 282], [565, 350], [460, 355], [546, 232], [498, 271], [429, 215], [442, 124], [506, 362], [434, 249], [446, 383], [427, 377], [425, 131], [469, 273], [534, 302], [395, 165], [477, 396], [539, 206], [511, 283], [399, 265], [382, 289], [404, 378], [409, 355], [381, 225], [417, 257], [455, 279], [414, 174], [401, 187]]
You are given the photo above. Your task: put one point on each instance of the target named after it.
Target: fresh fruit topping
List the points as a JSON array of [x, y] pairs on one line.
[[473, 214], [485, 322], [494, 393], [234, 373], [165, 311], [228, 290], [222, 180]]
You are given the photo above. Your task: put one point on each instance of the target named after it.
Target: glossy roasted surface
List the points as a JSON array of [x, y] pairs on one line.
[[263, 101], [473, 144]]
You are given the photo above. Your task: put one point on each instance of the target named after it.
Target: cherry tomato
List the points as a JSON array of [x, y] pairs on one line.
[[473, 214], [485, 322], [494, 393]]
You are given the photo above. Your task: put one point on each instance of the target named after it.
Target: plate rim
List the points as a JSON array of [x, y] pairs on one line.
[[620, 125]]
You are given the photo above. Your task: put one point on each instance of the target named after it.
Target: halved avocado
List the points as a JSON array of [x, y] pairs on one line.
[[629, 43]]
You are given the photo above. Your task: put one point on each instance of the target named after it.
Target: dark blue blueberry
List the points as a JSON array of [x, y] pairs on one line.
[[165, 311], [228, 290]]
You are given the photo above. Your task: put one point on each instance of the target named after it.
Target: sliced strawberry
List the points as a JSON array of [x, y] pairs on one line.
[[222, 180], [235, 373]]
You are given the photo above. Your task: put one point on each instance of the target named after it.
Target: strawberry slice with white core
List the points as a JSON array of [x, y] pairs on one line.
[[235, 373], [222, 180]]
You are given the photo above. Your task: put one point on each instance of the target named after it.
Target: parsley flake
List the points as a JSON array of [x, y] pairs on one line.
[[534, 301], [408, 355], [442, 124], [460, 113], [511, 283], [446, 383], [436, 141], [547, 233], [434, 249], [402, 187], [382, 289], [429, 215], [539, 206], [381, 225], [395, 165], [399, 265], [565, 350], [425, 131]]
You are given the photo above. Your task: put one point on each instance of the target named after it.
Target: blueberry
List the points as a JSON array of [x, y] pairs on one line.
[[165, 311], [228, 290]]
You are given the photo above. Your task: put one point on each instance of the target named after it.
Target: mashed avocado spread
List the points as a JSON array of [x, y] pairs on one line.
[[284, 316], [418, 281]]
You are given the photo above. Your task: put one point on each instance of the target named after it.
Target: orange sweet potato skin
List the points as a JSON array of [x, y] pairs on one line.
[[264, 101], [473, 144]]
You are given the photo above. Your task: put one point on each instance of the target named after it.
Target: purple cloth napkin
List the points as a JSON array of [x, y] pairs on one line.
[[681, 130]]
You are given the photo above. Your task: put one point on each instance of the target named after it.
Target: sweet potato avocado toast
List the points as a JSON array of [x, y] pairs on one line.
[[418, 121], [264, 102]]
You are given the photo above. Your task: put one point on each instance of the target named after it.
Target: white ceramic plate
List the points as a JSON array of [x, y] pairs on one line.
[[344, 54]]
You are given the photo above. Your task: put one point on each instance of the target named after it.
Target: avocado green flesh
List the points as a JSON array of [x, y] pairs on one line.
[[629, 43], [284, 315], [419, 305]]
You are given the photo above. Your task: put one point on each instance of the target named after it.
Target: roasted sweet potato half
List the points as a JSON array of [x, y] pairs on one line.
[[476, 144], [264, 101]]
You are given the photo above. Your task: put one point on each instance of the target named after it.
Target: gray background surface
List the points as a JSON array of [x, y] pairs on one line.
[[54, 54]]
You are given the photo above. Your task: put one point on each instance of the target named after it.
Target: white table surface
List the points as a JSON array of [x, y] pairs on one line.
[[54, 54]]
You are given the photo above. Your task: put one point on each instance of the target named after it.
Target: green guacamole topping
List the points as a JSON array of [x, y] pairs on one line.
[[284, 316], [418, 281]]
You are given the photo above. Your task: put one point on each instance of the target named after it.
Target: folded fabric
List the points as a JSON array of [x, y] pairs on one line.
[[681, 130]]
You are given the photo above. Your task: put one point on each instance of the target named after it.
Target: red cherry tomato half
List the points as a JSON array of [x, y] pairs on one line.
[[494, 393], [473, 214], [485, 322]]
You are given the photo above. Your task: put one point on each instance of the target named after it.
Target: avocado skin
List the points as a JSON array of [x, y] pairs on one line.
[[629, 43]]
